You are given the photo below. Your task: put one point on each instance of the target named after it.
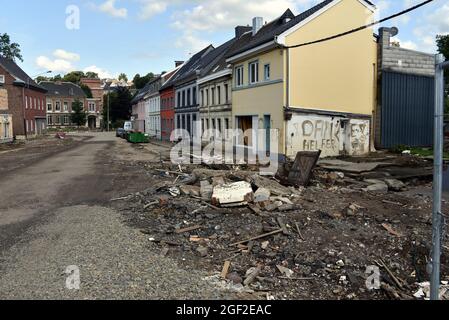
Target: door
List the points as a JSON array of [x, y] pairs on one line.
[[267, 127]]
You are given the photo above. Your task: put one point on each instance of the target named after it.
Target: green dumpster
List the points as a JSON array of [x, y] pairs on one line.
[[138, 137]]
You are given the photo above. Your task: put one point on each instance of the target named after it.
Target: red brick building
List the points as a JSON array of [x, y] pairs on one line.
[[167, 112], [26, 100], [94, 105]]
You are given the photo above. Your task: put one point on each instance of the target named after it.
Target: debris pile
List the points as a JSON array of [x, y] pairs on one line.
[[273, 239]]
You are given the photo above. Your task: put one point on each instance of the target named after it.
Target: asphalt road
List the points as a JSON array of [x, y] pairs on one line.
[[55, 223]]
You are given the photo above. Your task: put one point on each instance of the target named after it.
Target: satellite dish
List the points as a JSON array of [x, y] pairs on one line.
[[394, 31]]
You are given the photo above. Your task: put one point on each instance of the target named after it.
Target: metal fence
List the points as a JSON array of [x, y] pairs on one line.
[[407, 110]]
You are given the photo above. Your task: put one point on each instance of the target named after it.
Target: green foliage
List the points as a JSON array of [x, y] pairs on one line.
[[91, 75], [140, 82], [123, 77], [443, 45], [86, 90], [79, 116], [9, 50], [74, 77], [119, 106]]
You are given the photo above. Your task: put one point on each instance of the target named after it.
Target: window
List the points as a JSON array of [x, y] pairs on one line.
[[27, 126], [49, 120], [213, 96], [188, 97], [202, 97], [58, 120], [219, 124], [26, 104], [49, 107], [66, 120], [66, 106], [57, 106], [179, 99], [92, 107], [253, 72], [266, 71], [226, 88], [218, 95], [194, 96], [227, 124], [183, 98], [35, 103], [239, 76], [207, 97], [2, 78]]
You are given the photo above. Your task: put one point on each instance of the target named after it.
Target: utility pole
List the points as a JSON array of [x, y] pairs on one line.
[[437, 217], [109, 94]]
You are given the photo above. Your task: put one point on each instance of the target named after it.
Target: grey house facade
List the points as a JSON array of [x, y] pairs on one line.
[[215, 90], [404, 113]]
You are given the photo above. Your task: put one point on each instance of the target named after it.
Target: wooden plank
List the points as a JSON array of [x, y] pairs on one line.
[[225, 271], [257, 238], [302, 168], [188, 229]]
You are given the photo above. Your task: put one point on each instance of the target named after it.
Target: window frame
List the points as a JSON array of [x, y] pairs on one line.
[[239, 71], [266, 76], [256, 72]]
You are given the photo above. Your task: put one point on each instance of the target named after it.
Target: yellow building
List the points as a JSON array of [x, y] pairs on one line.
[[6, 134], [317, 97]]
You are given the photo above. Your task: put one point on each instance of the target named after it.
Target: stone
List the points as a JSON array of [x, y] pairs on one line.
[[234, 277], [262, 195], [203, 251], [233, 194], [264, 245], [340, 263], [206, 190], [190, 190], [379, 187], [394, 184]]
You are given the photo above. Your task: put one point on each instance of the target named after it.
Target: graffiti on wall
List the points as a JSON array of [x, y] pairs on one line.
[[332, 135]]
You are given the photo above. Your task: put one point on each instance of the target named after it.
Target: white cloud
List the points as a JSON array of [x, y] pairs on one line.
[[109, 7], [151, 8], [191, 43], [65, 55], [55, 65], [103, 74]]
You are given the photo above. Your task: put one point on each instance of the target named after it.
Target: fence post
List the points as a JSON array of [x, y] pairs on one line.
[[437, 178]]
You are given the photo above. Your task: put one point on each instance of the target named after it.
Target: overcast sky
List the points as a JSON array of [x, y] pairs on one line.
[[139, 36]]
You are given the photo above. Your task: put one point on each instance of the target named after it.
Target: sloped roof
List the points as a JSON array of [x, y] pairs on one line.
[[276, 27], [63, 89], [22, 79], [189, 68]]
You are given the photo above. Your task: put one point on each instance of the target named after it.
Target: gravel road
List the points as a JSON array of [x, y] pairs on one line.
[[54, 214]]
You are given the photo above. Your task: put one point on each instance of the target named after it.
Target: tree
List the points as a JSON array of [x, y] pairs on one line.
[[86, 90], [140, 82], [9, 50], [91, 75], [119, 106], [74, 77], [123, 77], [79, 116]]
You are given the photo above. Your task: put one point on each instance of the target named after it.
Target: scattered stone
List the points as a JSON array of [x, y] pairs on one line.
[[340, 263], [203, 251], [379, 187], [395, 185], [262, 195], [285, 271], [233, 194], [234, 277]]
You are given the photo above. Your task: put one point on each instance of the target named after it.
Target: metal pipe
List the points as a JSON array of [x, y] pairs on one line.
[[437, 179]]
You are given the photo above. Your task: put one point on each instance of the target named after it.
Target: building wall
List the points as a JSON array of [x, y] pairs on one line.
[[6, 134], [153, 116], [217, 110], [61, 118], [333, 135], [187, 107], [266, 98], [337, 75], [167, 113], [26, 106], [138, 112]]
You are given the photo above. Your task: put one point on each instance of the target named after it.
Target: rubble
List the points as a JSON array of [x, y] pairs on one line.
[[233, 194], [289, 242]]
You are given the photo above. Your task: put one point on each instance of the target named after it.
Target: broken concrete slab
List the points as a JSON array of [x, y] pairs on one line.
[[189, 190], [262, 195], [302, 168], [275, 187], [352, 167], [233, 194]]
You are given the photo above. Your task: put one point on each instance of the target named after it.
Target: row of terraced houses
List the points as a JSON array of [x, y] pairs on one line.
[[28, 109], [325, 96]]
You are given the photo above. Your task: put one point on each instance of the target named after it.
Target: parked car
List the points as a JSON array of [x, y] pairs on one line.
[[128, 126], [120, 133]]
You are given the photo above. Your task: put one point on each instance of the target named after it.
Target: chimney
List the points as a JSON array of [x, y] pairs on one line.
[[240, 30], [257, 24], [178, 63], [385, 35]]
